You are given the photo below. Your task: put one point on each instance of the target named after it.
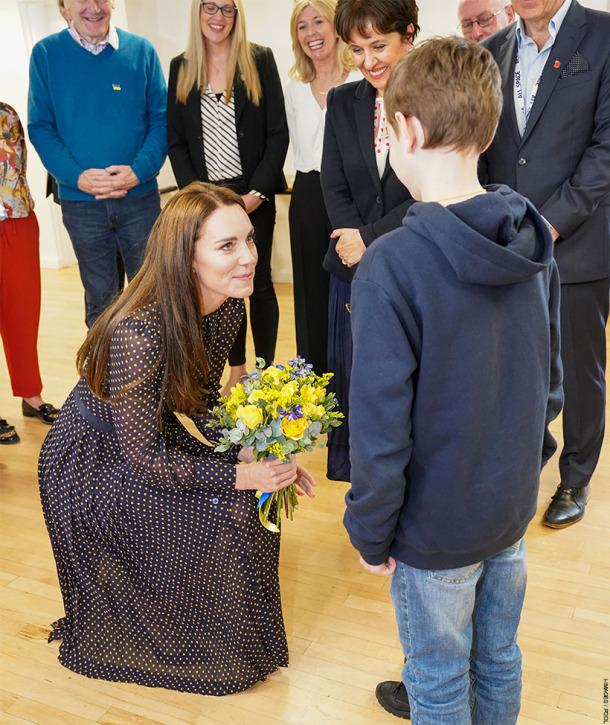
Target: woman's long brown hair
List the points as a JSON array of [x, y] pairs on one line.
[[167, 277]]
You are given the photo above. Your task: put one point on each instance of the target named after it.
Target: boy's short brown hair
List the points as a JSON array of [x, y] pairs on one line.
[[453, 87]]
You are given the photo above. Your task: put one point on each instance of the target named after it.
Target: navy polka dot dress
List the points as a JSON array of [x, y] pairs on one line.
[[167, 576]]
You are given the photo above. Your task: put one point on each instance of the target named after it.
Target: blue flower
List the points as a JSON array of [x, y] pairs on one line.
[[295, 413]]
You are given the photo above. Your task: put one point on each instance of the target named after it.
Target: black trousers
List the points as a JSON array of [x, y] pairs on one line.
[[584, 314], [264, 310], [310, 231]]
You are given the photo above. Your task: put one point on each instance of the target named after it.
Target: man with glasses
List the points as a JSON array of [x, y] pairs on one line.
[[96, 117], [481, 18]]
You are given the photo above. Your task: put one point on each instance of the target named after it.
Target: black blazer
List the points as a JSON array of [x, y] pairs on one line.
[[562, 163], [354, 195], [262, 131]]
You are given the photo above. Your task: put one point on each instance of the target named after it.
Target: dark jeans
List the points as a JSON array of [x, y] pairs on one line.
[[97, 229]]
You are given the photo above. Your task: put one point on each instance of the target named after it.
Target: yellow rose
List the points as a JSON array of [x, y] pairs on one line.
[[293, 428], [256, 395], [309, 410], [252, 415]]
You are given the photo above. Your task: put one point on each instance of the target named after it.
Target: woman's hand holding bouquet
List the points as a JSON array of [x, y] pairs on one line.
[[274, 413]]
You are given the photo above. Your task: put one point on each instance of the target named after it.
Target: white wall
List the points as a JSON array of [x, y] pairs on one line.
[[165, 22]]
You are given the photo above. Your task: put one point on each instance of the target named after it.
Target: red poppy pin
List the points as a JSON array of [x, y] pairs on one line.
[[556, 64]]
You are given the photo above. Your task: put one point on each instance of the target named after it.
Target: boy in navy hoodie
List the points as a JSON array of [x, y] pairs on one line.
[[456, 376]]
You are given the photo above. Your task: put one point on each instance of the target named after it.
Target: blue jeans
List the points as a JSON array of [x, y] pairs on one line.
[[97, 229], [458, 629]]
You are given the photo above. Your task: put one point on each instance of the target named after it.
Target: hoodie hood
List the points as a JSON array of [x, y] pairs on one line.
[[493, 239]]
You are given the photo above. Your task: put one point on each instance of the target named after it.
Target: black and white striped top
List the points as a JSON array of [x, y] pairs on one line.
[[220, 146]]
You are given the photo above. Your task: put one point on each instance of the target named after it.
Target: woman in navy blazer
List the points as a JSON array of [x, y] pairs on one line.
[[225, 110], [364, 198]]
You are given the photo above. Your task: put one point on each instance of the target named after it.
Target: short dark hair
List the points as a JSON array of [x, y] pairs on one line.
[[453, 87], [386, 16]]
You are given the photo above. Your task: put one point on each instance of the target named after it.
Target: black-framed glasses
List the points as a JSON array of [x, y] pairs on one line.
[[229, 11], [483, 21]]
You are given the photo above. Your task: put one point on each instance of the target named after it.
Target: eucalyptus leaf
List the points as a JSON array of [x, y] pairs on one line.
[[236, 435], [315, 428]]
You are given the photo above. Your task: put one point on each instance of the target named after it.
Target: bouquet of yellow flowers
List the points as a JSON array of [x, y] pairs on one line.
[[278, 411]]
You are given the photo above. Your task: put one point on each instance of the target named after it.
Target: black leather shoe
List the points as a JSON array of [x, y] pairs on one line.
[[8, 434], [392, 696], [46, 413], [567, 507]]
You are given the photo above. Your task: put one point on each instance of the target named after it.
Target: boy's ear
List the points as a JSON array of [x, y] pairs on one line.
[[417, 131], [410, 131], [403, 130]]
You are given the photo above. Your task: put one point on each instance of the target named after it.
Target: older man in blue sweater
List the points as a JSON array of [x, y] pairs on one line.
[[96, 116]]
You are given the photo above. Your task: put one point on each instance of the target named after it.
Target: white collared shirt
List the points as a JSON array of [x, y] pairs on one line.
[[306, 122], [112, 39], [532, 62]]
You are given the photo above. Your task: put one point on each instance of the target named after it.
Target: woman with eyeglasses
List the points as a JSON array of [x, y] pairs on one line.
[[226, 124], [322, 62], [364, 197]]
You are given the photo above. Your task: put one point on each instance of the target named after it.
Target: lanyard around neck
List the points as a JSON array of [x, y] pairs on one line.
[[525, 110]]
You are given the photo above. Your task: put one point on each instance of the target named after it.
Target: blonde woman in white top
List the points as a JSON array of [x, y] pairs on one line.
[[322, 62]]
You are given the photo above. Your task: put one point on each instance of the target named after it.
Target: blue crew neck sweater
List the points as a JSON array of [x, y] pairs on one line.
[[90, 111]]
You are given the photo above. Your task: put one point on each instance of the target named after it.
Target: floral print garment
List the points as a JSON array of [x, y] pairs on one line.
[[15, 194]]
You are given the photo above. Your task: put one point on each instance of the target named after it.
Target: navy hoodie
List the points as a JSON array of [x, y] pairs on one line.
[[456, 376]]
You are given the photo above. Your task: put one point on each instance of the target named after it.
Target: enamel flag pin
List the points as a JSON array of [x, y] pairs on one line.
[[116, 87]]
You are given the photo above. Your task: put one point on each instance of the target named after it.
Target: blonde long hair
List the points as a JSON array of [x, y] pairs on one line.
[[193, 71], [303, 69]]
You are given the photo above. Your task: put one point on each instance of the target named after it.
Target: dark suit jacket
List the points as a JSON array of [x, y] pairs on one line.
[[562, 163], [354, 195], [262, 131]]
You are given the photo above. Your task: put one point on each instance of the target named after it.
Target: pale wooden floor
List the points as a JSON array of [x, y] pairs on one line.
[[339, 619]]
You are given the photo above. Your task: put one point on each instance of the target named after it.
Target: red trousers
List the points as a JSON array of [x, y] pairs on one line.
[[20, 302]]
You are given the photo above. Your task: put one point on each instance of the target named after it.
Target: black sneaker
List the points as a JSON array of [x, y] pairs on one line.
[[392, 696]]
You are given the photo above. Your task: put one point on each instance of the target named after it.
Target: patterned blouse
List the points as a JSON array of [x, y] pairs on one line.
[[15, 194]]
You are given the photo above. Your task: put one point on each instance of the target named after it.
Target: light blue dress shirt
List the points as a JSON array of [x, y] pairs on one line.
[[532, 62]]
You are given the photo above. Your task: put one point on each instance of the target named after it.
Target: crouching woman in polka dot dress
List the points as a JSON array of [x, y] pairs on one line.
[[167, 576]]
